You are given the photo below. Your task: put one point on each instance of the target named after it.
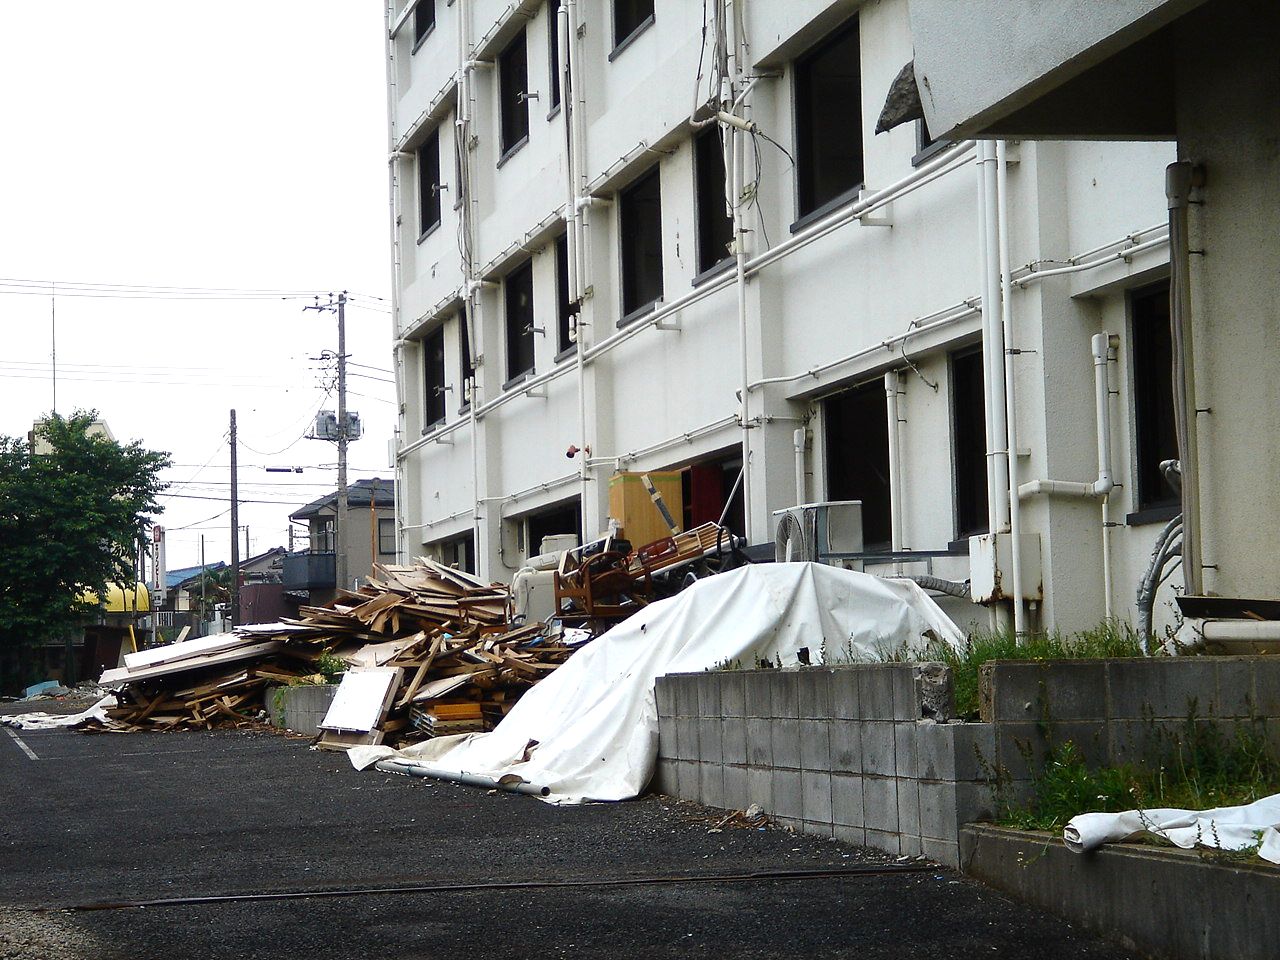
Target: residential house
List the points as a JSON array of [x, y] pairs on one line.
[[367, 537]]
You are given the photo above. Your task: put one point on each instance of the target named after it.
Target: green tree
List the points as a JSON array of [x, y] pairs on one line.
[[72, 506]]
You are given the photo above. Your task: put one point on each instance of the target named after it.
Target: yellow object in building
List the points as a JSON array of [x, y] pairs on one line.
[[135, 599], [633, 508]]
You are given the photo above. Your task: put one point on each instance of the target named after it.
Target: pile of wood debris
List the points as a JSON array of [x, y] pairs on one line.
[[429, 650]]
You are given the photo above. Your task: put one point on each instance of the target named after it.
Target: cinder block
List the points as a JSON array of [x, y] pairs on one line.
[[846, 746], [909, 845], [945, 852], [667, 737], [733, 700], [975, 802], [1266, 686], [686, 694], [814, 691], [711, 784], [758, 690], [686, 738], [816, 796], [788, 797], [1160, 688], [1089, 738], [665, 695], [853, 836], [905, 752], [846, 800], [760, 788], [759, 742], [735, 788], [664, 777], [710, 740], [909, 807], [938, 810], [889, 842], [815, 744], [734, 740], [786, 744], [688, 780], [975, 751], [878, 748], [936, 751], [817, 828], [785, 691], [1235, 696], [708, 687], [843, 688], [1020, 749], [875, 691], [880, 803], [906, 698]]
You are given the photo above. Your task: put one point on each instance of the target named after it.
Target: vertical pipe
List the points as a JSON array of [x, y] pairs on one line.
[[235, 530], [397, 349], [740, 272], [1102, 351], [340, 525], [891, 392], [1010, 398], [799, 440]]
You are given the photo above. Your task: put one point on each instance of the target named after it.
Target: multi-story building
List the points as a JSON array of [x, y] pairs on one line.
[[663, 235]]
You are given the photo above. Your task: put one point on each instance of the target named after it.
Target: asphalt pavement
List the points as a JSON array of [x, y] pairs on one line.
[[320, 861]]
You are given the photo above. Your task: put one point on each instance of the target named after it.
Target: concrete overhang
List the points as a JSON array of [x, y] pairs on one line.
[[1047, 69]]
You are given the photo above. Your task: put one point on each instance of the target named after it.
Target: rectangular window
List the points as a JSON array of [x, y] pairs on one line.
[[424, 21], [429, 184], [459, 552], [513, 93], [519, 298], [386, 535], [715, 226], [464, 343], [857, 441], [640, 226], [566, 518], [433, 385], [553, 34], [969, 443], [565, 311], [1157, 439], [629, 18], [828, 87]]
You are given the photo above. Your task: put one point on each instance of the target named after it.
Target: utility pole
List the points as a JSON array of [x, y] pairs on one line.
[[202, 615], [235, 531], [340, 520], [53, 336], [373, 526]]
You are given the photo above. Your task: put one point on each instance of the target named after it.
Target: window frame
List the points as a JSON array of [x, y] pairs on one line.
[[433, 394], [621, 42], [464, 359], [873, 391], [383, 524], [565, 345], [510, 318], [631, 307], [420, 35], [513, 113], [701, 203], [429, 185], [808, 205], [1149, 506], [980, 491], [553, 36]]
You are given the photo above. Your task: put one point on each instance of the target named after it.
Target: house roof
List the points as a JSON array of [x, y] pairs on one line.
[[174, 577], [358, 495]]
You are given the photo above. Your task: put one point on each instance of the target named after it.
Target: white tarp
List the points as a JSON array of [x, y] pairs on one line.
[[50, 721], [1226, 828], [594, 721]]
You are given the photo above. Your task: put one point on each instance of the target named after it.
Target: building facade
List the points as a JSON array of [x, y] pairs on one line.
[[649, 236]]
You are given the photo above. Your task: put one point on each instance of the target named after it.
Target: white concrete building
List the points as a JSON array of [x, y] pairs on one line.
[[581, 265]]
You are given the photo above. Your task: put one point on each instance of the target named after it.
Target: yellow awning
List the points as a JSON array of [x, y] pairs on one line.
[[135, 599]]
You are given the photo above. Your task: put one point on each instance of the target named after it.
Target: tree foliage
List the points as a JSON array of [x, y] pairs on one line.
[[72, 507]]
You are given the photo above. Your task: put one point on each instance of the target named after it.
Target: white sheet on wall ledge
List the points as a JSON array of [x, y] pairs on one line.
[[594, 721]]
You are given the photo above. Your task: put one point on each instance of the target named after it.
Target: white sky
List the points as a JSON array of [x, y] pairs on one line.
[[241, 145]]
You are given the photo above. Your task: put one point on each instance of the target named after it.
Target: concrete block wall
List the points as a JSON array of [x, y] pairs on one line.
[[863, 753], [300, 708]]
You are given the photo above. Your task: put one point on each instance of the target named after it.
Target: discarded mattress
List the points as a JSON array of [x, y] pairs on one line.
[[1224, 828], [590, 730], [50, 721]]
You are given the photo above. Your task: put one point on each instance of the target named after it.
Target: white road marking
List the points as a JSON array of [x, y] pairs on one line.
[[18, 740]]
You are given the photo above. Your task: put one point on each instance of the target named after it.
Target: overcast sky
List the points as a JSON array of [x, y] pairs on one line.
[[237, 145]]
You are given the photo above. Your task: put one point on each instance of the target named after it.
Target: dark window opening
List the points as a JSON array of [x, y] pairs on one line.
[[969, 443], [566, 518], [513, 90], [829, 120], [464, 348], [1157, 438], [429, 183], [706, 489], [459, 552], [629, 17], [857, 447], [424, 20], [715, 226], [519, 295], [386, 535], [640, 225], [433, 385], [565, 311], [553, 33]]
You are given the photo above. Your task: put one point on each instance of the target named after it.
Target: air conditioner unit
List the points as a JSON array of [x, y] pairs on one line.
[[813, 531]]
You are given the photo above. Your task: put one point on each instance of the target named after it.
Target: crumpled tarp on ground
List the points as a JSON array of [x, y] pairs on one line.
[[590, 730], [1223, 828], [50, 721]]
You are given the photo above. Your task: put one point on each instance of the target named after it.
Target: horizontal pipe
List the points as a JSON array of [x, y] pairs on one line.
[[1241, 629], [686, 437], [467, 779], [1124, 254]]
